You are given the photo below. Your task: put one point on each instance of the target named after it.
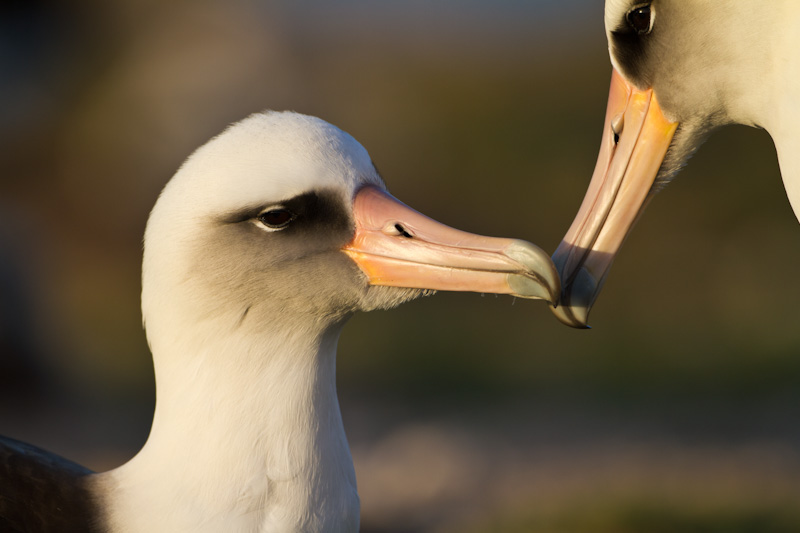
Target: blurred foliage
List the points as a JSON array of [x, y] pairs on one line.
[[636, 515], [486, 117]]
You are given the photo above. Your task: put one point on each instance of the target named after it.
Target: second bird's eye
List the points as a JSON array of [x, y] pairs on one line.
[[640, 18], [277, 218]]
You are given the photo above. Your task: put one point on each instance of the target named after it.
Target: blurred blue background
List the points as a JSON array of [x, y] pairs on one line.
[[677, 412]]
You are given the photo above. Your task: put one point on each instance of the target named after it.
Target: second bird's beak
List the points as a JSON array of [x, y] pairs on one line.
[[636, 137], [397, 246]]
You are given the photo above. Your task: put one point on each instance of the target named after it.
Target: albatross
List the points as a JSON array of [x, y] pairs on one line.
[[681, 68], [258, 250]]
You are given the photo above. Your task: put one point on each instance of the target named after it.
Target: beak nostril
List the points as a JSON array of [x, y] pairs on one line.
[[617, 123], [402, 231]]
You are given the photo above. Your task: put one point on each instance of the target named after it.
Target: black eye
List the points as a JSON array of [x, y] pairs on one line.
[[640, 19], [276, 218]]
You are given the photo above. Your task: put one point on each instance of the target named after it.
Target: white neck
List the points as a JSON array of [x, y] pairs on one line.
[[787, 143], [784, 119], [247, 436]]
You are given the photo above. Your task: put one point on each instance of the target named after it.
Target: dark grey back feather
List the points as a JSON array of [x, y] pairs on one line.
[[41, 492]]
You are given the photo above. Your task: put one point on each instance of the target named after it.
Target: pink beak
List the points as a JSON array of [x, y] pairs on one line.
[[397, 246], [636, 137]]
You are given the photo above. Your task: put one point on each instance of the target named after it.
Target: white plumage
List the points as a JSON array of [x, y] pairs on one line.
[[256, 253]]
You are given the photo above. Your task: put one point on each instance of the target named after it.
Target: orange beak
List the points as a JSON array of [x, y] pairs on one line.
[[636, 137], [397, 246]]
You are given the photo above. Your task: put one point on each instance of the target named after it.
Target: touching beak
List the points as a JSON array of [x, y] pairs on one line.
[[397, 246], [636, 136]]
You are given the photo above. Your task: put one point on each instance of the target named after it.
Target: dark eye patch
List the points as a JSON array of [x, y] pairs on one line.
[[632, 42], [318, 214]]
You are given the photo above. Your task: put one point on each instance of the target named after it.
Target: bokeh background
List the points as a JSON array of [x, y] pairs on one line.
[[678, 412]]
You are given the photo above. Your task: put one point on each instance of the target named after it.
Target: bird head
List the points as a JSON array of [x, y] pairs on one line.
[[680, 69], [283, 218]]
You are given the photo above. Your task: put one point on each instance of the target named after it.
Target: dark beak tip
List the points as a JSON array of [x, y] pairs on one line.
[[567, 316], [577, 296]]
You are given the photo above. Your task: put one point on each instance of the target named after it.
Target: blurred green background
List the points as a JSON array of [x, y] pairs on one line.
[[677, 412]]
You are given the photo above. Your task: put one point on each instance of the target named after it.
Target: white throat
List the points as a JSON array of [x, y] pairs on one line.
[[784, 119], [247, 436]]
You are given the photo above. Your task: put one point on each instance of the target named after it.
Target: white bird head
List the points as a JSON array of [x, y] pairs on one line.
[[257, 251], [284, 218], [681, 69]]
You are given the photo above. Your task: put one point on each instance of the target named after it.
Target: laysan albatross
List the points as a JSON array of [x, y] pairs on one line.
[[256, 253], [681, 68]]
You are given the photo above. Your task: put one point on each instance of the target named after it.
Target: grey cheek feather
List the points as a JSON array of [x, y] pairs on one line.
[[259, 276], [256, 275], [689, 136]]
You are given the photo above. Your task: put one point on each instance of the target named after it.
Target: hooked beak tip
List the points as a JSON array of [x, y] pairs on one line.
[[541, 280], [577, 298]]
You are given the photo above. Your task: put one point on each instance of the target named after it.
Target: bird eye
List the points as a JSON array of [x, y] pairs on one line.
[[277, 218], [640, 18]]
